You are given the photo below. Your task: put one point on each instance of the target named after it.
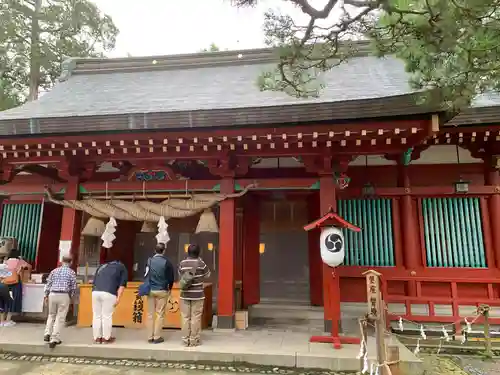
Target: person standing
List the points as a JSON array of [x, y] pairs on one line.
[[109, 283], [192, 271], [59, 291], [160, 274], [15, 265]]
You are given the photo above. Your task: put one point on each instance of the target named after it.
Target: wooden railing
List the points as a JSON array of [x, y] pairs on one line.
[[455, 301]]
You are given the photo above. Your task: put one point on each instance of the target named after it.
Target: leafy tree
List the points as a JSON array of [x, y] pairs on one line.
[[212, 48], [36, 36], [448, 45]]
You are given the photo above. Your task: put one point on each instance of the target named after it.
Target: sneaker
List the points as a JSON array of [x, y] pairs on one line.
[[10, 323], [46, 338], [53, 344], [151, 341], [159, 340], [108, 341], [98, 340]]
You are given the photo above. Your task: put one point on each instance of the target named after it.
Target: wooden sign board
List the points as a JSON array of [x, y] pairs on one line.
[[373, 293]]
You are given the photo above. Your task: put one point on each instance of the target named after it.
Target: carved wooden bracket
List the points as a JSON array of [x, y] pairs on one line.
[[71, 169], [229, 166], [326, 164], [7, 173]]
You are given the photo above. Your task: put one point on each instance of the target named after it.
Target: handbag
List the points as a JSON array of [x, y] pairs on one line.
[[145, 288]]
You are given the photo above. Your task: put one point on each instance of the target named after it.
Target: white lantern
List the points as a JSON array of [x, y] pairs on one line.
[[332, 246]]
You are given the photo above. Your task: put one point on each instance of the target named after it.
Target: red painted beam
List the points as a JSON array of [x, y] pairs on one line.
[[190, 133]]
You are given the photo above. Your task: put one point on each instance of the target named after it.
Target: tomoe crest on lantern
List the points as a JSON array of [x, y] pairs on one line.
[[332, 246]]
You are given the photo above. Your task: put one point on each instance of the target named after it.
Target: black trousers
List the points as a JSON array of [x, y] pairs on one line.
[[4, 295]]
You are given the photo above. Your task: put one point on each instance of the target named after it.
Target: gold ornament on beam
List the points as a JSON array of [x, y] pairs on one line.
[[207, 223], [149, 227], [94, 227]]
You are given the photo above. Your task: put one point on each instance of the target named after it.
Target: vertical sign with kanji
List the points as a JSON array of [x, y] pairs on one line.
[[373, 293]]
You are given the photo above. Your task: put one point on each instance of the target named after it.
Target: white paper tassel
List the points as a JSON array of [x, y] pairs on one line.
[[445, 334], [162, 236], [417, 348], [400, 324], [365, 364], [464, 337], [469, 325], [422, 333], [108, 236], [361, 350]]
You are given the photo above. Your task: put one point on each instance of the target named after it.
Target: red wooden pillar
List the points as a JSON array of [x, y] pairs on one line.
[[251, 255], [71, 222], [411, 250], [227, 257], [315, 263], [331, 282], [492, 178]]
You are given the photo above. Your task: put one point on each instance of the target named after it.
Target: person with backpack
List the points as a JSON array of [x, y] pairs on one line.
[[192, 271], [160, 279], [15, 265]]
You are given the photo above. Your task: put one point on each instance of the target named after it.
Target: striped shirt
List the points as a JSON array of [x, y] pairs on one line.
[[195, 290], [61, 280]]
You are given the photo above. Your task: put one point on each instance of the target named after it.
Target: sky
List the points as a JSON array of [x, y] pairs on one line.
[[160, 27]]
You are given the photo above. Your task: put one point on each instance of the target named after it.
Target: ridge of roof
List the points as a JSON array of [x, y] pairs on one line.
[[76, 65]]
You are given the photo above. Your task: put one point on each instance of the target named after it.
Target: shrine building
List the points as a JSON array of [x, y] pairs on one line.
[[424, 188]]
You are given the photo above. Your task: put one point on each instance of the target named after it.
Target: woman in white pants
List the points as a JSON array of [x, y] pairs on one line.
[[108, 286]]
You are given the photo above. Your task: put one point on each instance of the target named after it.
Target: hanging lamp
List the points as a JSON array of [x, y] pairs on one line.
[[368, 190], [461, 186]]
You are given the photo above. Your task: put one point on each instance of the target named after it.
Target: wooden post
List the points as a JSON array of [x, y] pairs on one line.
[[393, 359], [376, 313], [71, 226], [484, 310], [227, 256]]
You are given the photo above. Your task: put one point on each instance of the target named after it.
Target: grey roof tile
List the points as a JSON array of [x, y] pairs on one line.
[[205, 88]]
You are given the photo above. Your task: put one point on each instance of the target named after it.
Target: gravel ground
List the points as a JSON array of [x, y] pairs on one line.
[[31, 365]]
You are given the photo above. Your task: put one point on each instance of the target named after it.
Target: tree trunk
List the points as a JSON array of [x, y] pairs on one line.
[[35, 52]]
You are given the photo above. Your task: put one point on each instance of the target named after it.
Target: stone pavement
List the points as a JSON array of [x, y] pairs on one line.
[[264, 348]]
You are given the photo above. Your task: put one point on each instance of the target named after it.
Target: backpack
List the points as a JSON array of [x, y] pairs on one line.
[[187, 277]]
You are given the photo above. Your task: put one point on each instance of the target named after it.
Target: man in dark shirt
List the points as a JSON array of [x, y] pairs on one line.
[[160, 273], [193, 298], [109, 283]]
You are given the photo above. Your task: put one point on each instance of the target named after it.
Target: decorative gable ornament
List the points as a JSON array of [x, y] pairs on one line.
[[332, 244]]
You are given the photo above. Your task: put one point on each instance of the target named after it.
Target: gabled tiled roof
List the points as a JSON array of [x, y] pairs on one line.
[[207, 89]]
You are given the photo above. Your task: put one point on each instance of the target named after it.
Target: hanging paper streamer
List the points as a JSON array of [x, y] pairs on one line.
[[162, 236], [365, 364], [469, 325], [108, 236], [417, 348], [422, 333], [445, 334], [464, 337], [362, 349], [400, 324], [377, 370], [372, 368]]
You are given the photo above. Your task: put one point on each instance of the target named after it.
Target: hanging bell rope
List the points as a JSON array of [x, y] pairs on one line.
[[207, 223]]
